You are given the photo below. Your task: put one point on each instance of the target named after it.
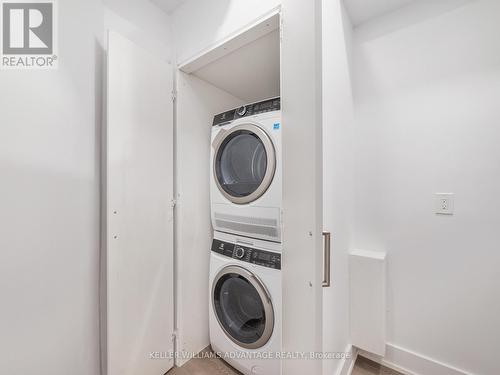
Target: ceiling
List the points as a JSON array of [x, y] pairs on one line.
[[250, 73], [168, 5], [361, 11]]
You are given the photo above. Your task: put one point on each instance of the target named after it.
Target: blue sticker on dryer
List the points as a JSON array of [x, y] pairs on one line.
[[276, 126]]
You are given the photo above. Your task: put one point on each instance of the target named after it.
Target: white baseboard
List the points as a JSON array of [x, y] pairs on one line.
[[410, 363], [348, 363]]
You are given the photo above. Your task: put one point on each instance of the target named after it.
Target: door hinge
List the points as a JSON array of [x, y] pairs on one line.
[[174, 336], [174, 95]]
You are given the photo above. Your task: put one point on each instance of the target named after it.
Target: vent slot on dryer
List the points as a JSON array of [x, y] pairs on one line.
[[248, 226]]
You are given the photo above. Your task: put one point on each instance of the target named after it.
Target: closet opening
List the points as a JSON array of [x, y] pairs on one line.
[[228, 188]]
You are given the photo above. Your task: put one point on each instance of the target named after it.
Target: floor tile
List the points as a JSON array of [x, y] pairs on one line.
[[365, 366], [216, 366], [204, 366]]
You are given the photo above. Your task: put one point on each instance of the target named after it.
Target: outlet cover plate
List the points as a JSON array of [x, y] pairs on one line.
[[445, 203]]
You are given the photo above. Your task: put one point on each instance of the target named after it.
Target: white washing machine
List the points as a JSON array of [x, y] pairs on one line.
[[245, 303], [246, 183]]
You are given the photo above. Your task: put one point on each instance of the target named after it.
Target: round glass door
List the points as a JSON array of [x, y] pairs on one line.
[[244, 163], [243, 307]]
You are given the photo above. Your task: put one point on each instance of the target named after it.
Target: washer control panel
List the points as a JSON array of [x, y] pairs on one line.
[[247, 254], [248, 110]]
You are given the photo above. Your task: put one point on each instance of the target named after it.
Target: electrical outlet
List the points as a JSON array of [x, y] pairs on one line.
[[445, 204]]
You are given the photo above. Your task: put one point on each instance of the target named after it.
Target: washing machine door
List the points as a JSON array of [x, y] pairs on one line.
[[243, 307], [244, 163]]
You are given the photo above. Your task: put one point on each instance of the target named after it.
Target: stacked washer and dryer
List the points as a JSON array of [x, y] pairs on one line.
[[245, 259]]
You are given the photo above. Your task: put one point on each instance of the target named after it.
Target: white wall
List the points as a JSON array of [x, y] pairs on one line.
[[197, 103], [215, 20], [427, 93], [142, 22], [337, 173], [49, 160], [49, 199]]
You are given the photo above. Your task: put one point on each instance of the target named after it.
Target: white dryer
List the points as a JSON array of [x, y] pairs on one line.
[[245, 303], [246, 184]]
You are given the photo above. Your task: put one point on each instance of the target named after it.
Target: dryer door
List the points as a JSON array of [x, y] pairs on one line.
[[244, 163], [243, 307]]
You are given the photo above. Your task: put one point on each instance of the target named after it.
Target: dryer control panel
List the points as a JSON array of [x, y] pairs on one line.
[[248, 110], [247, 254]]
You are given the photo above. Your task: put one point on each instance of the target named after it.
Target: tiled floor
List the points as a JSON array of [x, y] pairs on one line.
[[364, 366], [214, 366], [205, 366]]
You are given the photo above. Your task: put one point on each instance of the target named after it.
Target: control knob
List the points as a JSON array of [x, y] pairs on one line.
[[241, 111], [239, 252]]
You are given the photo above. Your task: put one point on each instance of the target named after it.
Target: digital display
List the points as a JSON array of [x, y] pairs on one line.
[[265, 257], [262, 106]]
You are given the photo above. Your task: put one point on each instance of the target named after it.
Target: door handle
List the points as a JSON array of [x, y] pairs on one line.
[[326, 259]]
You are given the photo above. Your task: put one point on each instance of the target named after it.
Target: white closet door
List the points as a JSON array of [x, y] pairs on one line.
[[140, 299]]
